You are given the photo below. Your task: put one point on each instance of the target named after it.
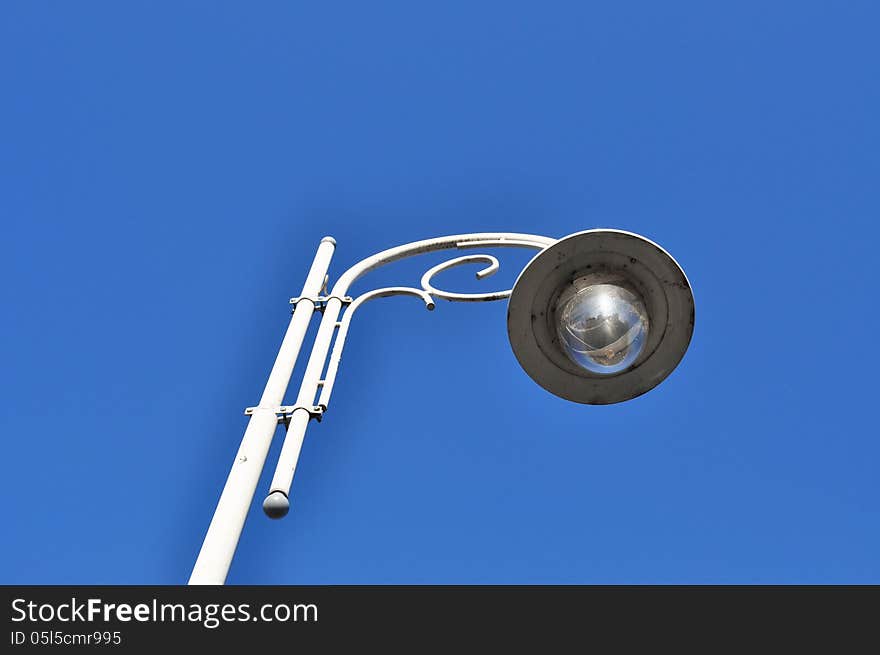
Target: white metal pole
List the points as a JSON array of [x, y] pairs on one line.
[[225, 529]]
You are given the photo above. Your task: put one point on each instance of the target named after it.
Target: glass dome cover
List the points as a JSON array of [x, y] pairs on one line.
[[602, 324]]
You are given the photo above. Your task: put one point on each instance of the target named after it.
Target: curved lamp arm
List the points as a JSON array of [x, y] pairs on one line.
[[455, 241]]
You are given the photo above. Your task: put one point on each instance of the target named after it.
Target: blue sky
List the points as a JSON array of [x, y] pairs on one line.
[[167, 170]]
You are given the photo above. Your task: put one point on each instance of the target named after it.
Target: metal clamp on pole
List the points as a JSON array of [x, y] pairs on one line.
[[320, 302], [284, 412]]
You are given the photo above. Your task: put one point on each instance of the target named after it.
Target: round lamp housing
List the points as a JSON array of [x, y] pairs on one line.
[[600, 316]]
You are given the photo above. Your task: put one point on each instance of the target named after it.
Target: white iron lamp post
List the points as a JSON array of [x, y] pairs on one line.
[[597, 317]]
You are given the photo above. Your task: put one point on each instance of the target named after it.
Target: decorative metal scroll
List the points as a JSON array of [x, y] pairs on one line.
[[428, 292]]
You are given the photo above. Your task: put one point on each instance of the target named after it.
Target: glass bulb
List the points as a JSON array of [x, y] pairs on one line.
[[602, 327]]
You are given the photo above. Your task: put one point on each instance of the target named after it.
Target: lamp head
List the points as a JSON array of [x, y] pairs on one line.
[[600, 316]]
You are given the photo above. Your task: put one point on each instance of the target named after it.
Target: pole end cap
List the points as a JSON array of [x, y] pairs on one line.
[[329, 240], [276, 505]]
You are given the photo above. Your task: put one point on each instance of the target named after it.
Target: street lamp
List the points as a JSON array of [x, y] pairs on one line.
[[597, 317], [601, 316]]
